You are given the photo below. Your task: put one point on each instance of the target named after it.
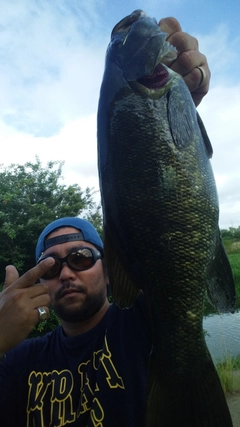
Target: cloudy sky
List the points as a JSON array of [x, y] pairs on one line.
[[52, 58]]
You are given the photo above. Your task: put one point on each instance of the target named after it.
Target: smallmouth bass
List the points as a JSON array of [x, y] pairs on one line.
[[160, 214]]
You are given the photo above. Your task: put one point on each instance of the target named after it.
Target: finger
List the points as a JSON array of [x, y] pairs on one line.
[[188, 61], [200, 92], [198, 78], [31, 276], [183, 42], [169, 25], [11, 275], [39, 290], [41, 300]]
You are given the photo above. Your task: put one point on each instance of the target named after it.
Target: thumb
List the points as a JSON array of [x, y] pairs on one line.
[[11, 275]]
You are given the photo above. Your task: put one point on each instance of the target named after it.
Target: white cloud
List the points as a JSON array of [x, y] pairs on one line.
[[220, 112], [50, 71], [75, 145], [222, 52], [52, 57]]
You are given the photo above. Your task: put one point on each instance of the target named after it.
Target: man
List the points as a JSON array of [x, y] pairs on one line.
[[92, 369]]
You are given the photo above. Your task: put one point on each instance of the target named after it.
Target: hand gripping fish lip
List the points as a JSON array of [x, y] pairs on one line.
[[130, 46]]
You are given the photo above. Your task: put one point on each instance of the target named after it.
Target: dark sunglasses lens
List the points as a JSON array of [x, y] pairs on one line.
[[53, 272], [81, 259]]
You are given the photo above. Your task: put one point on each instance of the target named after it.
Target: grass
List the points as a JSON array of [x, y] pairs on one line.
[[234, 260], [229, 369], [232, 247], [229, 373]]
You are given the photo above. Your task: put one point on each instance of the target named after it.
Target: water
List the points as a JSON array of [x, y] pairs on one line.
[[224, 335]]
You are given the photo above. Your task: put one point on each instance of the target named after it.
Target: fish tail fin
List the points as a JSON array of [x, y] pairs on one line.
[[192, 400]]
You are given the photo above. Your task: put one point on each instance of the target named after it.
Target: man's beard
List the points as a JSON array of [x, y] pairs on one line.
[[87, 309]]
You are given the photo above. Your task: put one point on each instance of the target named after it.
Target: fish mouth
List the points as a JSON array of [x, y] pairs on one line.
[[156, 80]]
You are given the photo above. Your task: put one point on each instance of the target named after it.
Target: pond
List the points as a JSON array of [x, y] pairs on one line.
[[223, 334]]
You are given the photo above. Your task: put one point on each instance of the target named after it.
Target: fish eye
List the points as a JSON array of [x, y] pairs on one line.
[[117, 43]]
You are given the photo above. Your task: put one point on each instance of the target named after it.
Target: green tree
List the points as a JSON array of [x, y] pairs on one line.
[[232, 233], [31, 196]]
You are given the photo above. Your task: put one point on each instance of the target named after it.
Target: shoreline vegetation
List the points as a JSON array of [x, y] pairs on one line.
[[229, 369], [231, 240], [229, 374]]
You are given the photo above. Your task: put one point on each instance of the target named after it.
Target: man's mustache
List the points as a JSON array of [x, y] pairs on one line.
[[68, 287]]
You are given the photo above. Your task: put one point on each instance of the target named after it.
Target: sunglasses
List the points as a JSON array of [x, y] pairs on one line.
[[79, 260]]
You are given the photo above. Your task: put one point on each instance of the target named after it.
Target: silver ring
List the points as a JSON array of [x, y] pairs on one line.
[[42, 313], [203, 75]]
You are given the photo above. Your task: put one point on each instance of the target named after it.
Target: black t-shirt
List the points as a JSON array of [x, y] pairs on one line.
[[94, 379]]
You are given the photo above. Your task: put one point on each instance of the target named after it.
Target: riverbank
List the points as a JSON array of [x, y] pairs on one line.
[[233, 401], [233, 398]]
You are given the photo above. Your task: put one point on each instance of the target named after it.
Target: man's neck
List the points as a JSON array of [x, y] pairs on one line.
[[78, 328]]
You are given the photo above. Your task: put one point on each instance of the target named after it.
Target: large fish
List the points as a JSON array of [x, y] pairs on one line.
[[160, 212]]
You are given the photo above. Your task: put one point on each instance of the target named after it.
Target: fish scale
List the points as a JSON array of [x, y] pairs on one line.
[[160, 214]]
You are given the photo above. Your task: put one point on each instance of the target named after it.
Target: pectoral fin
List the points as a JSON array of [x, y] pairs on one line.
[[123, 289], [206, 140], [220, 283]]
